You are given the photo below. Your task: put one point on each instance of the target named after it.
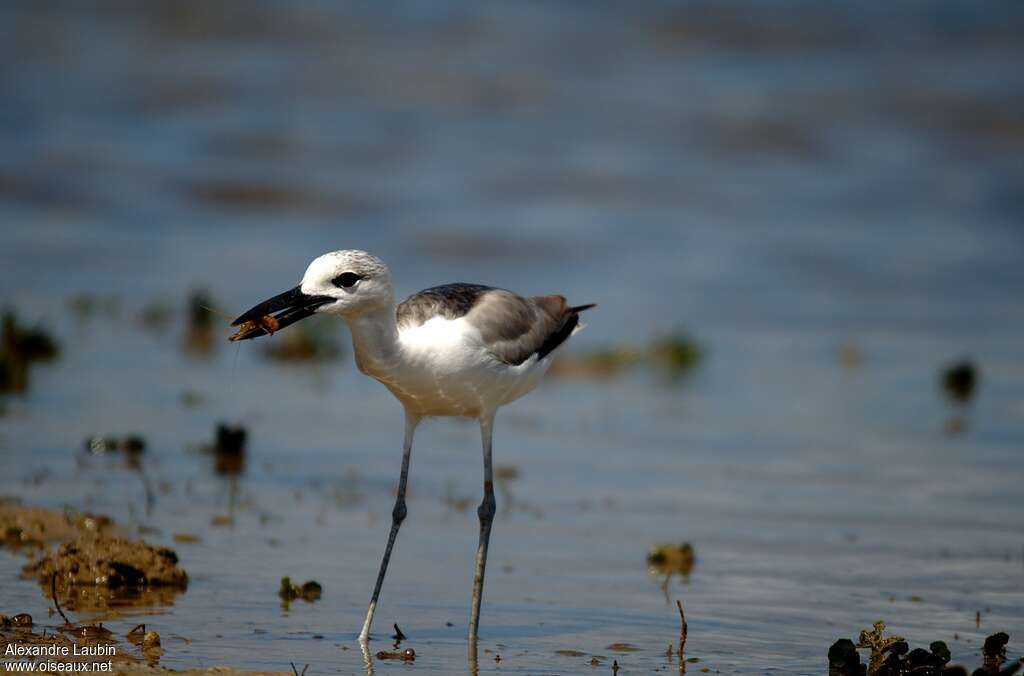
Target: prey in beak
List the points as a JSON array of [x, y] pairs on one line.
[[290, 307]]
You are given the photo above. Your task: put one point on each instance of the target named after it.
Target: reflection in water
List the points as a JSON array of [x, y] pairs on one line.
[[116, 600]]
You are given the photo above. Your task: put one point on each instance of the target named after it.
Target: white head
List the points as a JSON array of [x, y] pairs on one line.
[[347, 283], [357, 282]]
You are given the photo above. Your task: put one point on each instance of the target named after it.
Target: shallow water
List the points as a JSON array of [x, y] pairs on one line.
[[778, 185]]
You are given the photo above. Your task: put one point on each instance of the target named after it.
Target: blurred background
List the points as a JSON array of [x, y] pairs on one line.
[[802, 223]]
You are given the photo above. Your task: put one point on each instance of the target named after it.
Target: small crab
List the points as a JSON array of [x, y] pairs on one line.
[[266, 323]]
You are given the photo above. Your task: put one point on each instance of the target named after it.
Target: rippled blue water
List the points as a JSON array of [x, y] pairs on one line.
[[777, 180]]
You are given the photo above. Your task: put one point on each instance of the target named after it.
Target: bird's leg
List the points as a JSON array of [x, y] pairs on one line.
[[397, 517], [486, 514]]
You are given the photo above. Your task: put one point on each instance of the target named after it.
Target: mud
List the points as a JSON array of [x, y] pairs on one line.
[[94, 560], [36, 527], [124, 660]]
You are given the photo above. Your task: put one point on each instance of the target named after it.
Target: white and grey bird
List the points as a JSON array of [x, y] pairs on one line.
[[451, 350]]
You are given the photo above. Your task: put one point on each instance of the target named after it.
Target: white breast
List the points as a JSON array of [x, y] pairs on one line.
[[445, 369]]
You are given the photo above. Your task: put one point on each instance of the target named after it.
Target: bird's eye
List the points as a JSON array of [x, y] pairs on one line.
[[346, 280]]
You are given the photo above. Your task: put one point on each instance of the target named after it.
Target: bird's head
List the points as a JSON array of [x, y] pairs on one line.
[[348, 283]]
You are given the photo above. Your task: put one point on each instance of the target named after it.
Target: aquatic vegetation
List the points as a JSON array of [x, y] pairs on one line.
[[676, 354], [156, 316], [892, 656], [671, 559], [601, 364], [314, 340], [199, 334], [85, 306], [671, 355], [131, 444], [309, 591], [228, 449], [959, 383], [880, 645], [20, 348], [960, 380], [256, 195]]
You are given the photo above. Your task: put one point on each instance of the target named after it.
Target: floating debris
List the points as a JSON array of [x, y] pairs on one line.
[[407, 655], [21, 347], [137, 634], [623, 647]]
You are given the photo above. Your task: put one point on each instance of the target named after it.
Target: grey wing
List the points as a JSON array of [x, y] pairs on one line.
[[450, 301], [516, 328]]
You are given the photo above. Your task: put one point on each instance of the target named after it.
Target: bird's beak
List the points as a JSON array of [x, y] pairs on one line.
[[290, 307]]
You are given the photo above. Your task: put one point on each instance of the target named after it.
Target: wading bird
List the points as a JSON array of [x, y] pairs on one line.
[[453, 350]]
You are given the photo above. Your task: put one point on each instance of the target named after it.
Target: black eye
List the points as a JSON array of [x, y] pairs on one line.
[[346, 280]]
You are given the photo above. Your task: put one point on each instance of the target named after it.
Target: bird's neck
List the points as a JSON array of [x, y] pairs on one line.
[[375, 340]]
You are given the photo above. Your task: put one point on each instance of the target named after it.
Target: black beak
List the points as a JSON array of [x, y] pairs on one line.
[[290, 306]]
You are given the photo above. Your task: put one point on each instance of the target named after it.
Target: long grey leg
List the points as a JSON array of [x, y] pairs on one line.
[[397, 517], [486, 514]]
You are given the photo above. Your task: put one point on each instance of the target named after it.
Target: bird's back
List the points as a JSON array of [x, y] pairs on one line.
[[469, 347]]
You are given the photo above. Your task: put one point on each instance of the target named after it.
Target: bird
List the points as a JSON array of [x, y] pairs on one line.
[[455, 350]]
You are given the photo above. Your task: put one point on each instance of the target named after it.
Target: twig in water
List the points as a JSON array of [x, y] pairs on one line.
[[296, 671], [399, 636], [682, 632], [53, 592]]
